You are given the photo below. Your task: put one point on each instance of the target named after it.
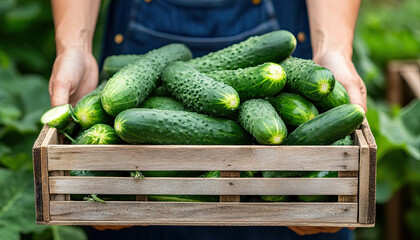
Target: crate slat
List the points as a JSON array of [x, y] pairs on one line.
[[164, 212], [204, 186], [203, 158], [230, 198]]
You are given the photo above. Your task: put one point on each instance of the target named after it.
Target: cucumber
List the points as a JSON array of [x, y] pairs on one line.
[[156, 126], [113, 64], [98, 134], [59, 117], [171, 173], [199, 92], [130, 86], [328, 127], [89, 111], [308, 78], [347, 141], [279, 174], [260, 119], [183, 198], [216, 174], [337, 97], [87, 173], [161, 91], [163, 103], [293, 108], [261, 81], [318, 198], [271, 47]]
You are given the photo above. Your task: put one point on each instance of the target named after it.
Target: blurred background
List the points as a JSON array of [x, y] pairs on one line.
[[386, 54]]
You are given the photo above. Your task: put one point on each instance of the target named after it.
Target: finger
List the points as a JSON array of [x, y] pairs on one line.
[[355, 94], [297, 230], [305, 230], [329, 229], [60, 92]]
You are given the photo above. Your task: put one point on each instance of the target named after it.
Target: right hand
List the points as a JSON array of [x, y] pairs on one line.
[[75, 73]]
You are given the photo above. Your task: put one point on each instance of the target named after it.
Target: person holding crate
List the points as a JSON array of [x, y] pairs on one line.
[[324, 30]]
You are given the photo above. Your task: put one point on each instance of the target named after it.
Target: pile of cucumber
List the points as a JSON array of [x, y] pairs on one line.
[[252, 92]]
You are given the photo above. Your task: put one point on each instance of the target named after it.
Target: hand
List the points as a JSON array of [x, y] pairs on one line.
[[344, 71], [103, 228], [74, 74], [314, 230]]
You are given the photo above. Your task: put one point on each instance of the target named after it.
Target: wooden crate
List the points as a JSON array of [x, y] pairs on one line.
[[355, 186]]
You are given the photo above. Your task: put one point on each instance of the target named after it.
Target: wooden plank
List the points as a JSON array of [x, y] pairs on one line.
[[203, 158], [348, 198], [411, 75], [36, 157], [168, 223], [231, 197], [371, 201], [51, 137], [204, 186], [181, 212], [363, 176], [394, 84]]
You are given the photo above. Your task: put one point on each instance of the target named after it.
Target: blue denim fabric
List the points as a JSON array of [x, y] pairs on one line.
[[211, 233], [203, 25]]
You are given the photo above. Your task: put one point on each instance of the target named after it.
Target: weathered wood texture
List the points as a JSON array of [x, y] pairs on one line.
[[204, 186], [51, 137], [36, 157], [229, 197], [203, 158], [370, 205], [161, 212]]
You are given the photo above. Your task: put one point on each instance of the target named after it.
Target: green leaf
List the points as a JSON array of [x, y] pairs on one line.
[[68, 233], [17, 213]]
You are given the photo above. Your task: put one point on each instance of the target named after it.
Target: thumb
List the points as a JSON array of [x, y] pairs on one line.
[[356, 95], [60, 92]]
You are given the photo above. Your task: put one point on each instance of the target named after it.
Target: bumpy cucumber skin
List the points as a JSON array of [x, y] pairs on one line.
[[154, 126], [113, 64], [337, 97], [171, 173], [130, 86], [260, 119], [261, 81], [271, 47], [98, 134], [89, 110], [199, 92], [183, 198], [293, 108], [347, 141], [163, 103], [328, 127], [308, 78], [318, 198]]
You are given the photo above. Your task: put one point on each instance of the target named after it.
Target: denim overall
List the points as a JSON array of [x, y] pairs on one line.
[[138, 26]]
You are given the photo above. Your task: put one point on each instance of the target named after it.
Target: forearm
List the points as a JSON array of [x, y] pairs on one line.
[[332, 26], [74, 22]]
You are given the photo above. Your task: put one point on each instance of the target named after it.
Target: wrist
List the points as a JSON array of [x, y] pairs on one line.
[[80, 39], [323, 43]]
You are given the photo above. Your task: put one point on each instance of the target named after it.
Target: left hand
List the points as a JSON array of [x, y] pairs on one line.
[[314, 230], [344, 71]]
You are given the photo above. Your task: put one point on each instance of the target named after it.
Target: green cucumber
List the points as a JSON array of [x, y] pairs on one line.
[[216, 174], [130, 86], [171, 173], [338, 96], [271, 47], [156, 126], [183, 198], [308, 78], [318, 198], [261, 81], [161, 91], [87, 173], [98, 134], [113, 64], [89, 111], [328, 127], [260, 119], [199, 92], [347, 141], [163, 103], [293, 108], [59, 117]]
